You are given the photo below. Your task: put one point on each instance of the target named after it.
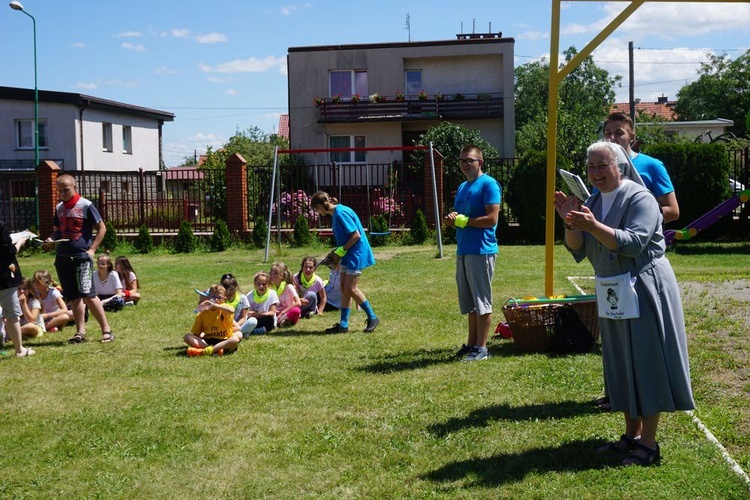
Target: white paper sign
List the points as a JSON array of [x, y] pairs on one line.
[[616, 297]]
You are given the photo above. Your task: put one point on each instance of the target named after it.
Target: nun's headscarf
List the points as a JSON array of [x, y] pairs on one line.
[[622, 157]]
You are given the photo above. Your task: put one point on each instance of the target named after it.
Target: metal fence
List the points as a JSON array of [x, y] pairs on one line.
[[161, 200], [392, 190]]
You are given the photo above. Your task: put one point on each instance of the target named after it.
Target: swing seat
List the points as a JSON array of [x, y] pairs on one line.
[[380, 234]]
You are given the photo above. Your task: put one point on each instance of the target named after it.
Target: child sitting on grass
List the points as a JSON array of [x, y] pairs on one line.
[[32, 324], [289, 311], [310, 288], [263, 302], [212, 330], [54, 310], [130, 286]]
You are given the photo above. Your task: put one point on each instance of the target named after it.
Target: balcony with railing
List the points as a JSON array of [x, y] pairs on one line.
[[380, 108]]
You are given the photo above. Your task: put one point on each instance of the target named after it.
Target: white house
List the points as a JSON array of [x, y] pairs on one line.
[[79, 132]]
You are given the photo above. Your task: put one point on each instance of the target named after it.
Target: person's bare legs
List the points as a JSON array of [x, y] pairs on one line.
[[97, 310], [350, 290], [79, 313], [13, 327], [479, 329]]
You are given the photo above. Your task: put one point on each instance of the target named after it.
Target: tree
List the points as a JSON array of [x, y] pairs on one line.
[[586, 95], [448, 138], [721, 91]]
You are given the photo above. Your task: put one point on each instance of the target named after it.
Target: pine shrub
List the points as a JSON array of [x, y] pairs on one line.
[[418, 233], [109, 242], [144, 243], [221, 239], [302, 235], [378, 225], [186, 241], [259, 232]]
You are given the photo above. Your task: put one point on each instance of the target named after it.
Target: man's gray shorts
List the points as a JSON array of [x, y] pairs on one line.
[[474, 280]]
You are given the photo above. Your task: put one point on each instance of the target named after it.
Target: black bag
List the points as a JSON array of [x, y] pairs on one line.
[[571, 335]]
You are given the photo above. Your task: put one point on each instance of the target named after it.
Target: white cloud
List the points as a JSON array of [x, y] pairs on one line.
[[532, 35], [165, 70], [211, 38], [249, 65], [86, 86], [128, 34], [290, 9], [180, 33], [230, 92], [656, 71], [684, 19], [134, 47], [216, 79], [78, 45]]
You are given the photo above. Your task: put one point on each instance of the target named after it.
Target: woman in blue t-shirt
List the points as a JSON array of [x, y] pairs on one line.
[[355, 253]]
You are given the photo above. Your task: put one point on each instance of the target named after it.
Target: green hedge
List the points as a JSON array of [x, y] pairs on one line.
[[700, 175]]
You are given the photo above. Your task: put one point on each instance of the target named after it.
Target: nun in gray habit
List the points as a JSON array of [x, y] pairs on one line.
[[619, 230]]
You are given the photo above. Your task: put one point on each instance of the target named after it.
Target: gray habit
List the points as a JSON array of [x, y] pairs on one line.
[[646, 367]]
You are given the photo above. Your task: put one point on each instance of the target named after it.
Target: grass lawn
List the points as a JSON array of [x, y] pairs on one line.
[[298, 413]]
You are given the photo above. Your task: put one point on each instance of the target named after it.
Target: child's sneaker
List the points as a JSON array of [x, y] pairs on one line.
[[54, 329], [194, 351]]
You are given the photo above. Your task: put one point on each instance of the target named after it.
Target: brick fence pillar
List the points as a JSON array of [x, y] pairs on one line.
[[236, 189], [429, 199], [46, 179]]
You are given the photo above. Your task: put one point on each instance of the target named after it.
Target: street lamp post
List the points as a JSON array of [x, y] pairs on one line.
[[15, 5]]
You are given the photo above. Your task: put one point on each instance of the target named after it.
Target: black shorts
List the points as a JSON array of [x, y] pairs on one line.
[[76, 276]]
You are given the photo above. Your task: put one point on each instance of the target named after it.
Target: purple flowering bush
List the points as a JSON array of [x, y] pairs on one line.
[[293, 204]]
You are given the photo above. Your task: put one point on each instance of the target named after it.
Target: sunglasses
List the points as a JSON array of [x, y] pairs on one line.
[[227, 276]]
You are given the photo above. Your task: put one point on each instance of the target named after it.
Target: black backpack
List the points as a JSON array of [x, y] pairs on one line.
[[571, 334]]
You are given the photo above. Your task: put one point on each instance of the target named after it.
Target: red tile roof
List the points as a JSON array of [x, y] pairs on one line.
[[662, 108], [284, 126]]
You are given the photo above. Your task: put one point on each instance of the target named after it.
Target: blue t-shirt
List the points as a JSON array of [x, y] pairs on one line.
[[471, 199], [345, 222], [654, 174]]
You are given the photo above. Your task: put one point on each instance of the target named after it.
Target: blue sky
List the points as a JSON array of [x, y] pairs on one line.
[[220, 65]]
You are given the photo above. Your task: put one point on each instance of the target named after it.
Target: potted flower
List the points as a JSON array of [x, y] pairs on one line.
[[335, 99], [439, 97], [399, 96], [377, 98], [458, 96], [355, 98], [423, 96], [318, 101]]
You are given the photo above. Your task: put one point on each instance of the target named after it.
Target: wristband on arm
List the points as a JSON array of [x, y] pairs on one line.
[[461, 220], [340, 251]]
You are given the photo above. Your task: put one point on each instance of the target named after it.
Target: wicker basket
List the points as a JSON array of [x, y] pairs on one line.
[[533, 326]]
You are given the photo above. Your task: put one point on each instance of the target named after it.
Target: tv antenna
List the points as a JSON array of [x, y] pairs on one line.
[[407, 25]]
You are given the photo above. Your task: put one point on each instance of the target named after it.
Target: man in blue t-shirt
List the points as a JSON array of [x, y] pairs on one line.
[[477, 209], [619, 128]]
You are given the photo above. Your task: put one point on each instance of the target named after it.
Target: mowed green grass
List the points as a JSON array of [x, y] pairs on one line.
[[299, 413]]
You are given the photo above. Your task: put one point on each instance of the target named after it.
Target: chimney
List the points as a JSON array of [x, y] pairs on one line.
[[663, 99]]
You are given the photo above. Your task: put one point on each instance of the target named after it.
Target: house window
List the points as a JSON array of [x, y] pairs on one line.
[[348, 82], [127, 140], [107, 137], [412, 82], [25, 134], [348, 141]]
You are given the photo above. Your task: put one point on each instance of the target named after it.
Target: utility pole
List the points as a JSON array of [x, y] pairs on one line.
[[407, 25]]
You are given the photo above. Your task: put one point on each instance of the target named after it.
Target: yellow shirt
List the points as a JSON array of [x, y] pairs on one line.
[[213, 324]]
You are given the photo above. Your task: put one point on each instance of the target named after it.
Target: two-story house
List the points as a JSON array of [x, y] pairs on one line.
[[387, 94], [79, 132]]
